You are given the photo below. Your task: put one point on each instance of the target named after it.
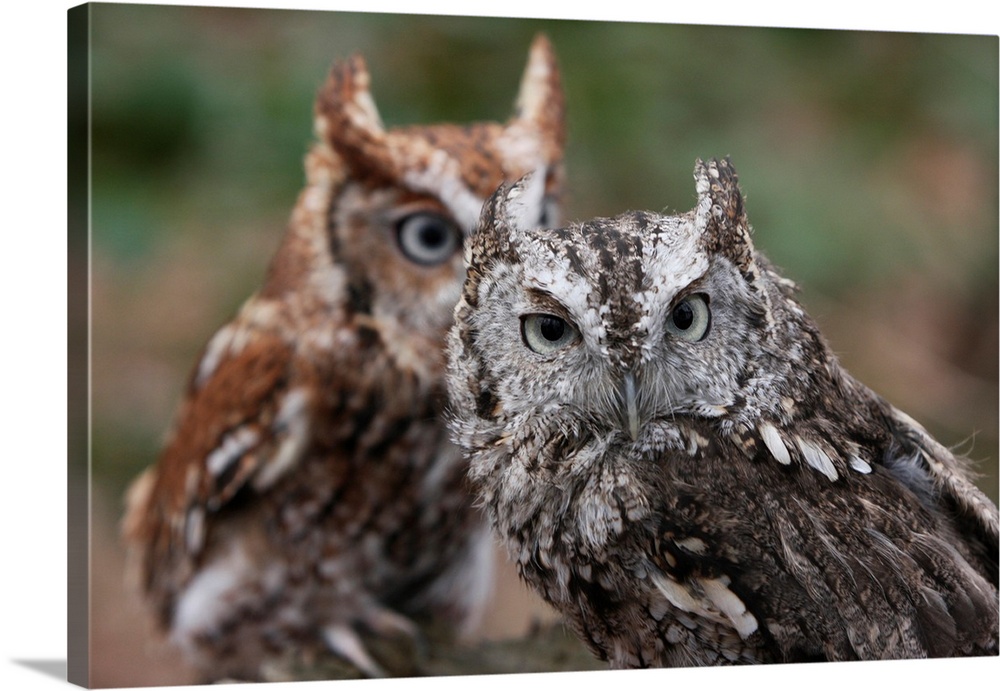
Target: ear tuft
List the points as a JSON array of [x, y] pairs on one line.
[[540, 99], [348, 120], [510, 211], [521, 204], [720, 214]]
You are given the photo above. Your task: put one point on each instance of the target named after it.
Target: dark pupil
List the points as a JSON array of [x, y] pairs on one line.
[[433, 235], [683, 316], [551, 328]]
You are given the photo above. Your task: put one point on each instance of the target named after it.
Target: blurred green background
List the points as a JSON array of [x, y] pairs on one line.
[[869, 162]]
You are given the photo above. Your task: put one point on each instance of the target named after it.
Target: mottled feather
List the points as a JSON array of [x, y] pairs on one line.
[[677, 461]]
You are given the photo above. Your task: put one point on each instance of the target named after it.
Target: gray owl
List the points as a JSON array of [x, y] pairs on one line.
[[676, 460], [308, 490]]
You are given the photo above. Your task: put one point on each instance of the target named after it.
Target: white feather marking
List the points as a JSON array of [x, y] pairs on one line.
[[233, 338], [216, 348], [194, 536], [292, 422], [774, 443], [441, 177], [203, 604], [717, 590], [191, 478], [705, 409], [692, 544], [676, 594], [233, 446], [860, 465], [817, 458], [692, 445], [717, 603], [907, 420]]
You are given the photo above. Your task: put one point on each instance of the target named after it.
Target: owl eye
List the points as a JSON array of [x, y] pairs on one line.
[[690, 318], [545, 333], [427, 238]]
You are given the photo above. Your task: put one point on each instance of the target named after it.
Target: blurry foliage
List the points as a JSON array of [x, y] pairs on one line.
[[869, 161]]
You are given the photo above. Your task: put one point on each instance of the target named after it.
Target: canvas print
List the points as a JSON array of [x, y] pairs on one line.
[[423, 345]]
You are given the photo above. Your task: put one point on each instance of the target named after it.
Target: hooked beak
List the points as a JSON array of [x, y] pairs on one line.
[[630, 407]]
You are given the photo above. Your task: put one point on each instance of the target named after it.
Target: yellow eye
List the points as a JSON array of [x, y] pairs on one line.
[[546, 333], [690, 318]]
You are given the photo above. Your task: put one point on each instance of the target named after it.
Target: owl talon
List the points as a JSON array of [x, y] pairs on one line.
[[343, 641]]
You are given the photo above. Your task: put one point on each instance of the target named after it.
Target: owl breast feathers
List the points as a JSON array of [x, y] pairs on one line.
[[677, 461], [307, 488]]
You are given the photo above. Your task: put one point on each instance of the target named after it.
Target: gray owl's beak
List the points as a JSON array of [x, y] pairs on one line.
[[630, 408]]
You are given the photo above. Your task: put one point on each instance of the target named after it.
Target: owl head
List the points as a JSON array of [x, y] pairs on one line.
[[380, 226], [617, 322]]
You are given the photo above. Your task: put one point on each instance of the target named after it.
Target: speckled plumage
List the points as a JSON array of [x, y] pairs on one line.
[[677, 461], [307, 488]]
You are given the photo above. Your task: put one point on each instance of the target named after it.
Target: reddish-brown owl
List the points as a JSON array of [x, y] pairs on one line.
[[308, 489]]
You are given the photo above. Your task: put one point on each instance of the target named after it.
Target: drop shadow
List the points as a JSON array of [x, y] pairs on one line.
[[50, 668]]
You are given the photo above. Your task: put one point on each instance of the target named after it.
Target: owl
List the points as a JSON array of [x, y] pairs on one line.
[[675, 459], [308, 491]]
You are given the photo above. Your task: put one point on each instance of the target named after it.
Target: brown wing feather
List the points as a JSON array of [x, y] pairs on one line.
[[973, 509], [860, 567], [226, 433]]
